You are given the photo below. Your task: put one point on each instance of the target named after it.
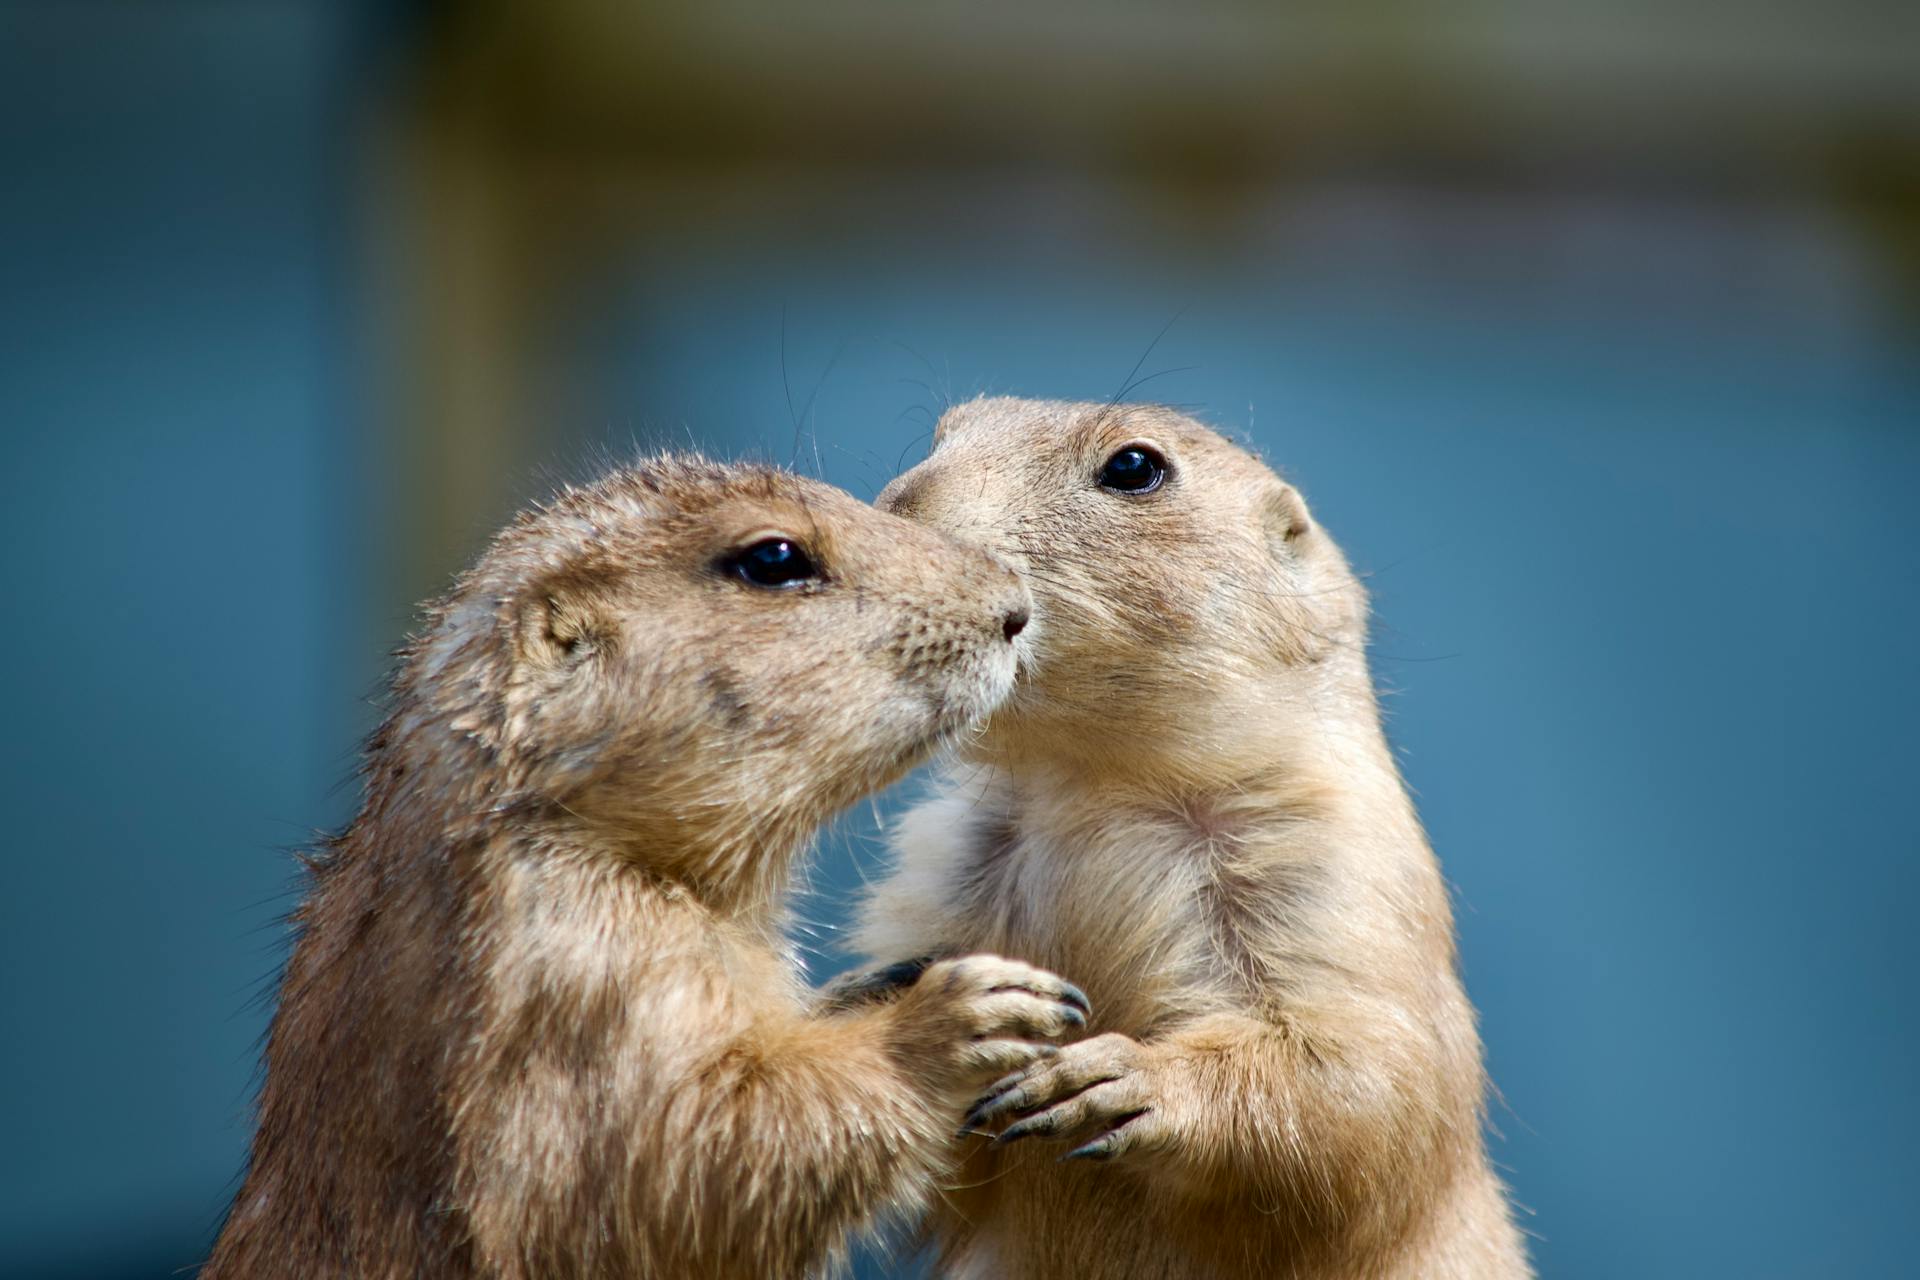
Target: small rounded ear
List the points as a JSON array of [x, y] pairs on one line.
[[1285, 512], [559, 627]]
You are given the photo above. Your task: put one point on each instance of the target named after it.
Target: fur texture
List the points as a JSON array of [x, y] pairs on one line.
[[1190, 807], [540, 1020]]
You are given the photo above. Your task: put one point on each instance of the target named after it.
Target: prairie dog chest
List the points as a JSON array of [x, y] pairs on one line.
[[1124, 908]]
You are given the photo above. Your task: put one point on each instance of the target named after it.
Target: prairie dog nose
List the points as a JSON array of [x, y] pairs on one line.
[[1014, 623]]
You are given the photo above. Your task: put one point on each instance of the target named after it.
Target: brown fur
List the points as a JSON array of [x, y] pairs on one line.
[[540, 1019], [1191, 808]]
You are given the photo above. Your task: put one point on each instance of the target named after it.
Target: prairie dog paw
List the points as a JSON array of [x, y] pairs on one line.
[[976, 1017], [1099, 1095]]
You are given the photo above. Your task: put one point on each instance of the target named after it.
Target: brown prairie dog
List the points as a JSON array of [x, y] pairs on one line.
[[1189, 806], [540, 1020]]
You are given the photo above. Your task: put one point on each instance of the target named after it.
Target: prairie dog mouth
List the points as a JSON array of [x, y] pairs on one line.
[[962, 708], [1026, 645], [968, 701], [996, 682]]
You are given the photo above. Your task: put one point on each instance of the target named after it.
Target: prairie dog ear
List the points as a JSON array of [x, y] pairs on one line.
[[559, 627], [1285, 513]]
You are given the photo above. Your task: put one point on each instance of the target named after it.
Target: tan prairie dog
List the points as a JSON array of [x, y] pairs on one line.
[[540, 1020], [1189, 806]]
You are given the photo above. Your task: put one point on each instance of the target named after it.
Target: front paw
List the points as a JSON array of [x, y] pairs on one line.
[[1101, 1094], [971, 1018]]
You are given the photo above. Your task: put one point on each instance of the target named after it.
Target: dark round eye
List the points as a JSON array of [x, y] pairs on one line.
[[773, 562], [1135, 469]]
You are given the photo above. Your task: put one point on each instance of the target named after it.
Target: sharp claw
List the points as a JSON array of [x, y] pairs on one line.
[[1075, 1018], [1107, 1145], [1075, 997], [1003, 1084], [1024, 1129], [987, 1108], [1101, 1148], [1004, 1093]]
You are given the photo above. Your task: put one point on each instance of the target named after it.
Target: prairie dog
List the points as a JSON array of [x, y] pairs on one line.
[[1190, 807], [540, 1019]]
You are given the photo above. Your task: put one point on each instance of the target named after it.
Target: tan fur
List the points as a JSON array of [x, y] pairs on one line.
[[540, 1019], [1189, 807]]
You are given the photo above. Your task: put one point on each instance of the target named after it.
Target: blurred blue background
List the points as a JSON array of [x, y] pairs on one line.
[[1591, 331]]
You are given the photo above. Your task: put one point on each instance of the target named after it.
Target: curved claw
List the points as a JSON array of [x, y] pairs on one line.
[[1104, 1147], [1044, 1123], [995, 1104], [1107, 1145]]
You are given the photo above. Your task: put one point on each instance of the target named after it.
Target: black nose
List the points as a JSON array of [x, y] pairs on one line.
[[1015, 623]]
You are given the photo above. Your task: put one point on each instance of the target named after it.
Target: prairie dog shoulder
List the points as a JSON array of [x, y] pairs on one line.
[[1189, 805], [538, 1020]]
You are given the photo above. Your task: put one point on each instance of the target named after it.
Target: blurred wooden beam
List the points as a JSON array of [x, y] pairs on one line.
[[1705, 88]]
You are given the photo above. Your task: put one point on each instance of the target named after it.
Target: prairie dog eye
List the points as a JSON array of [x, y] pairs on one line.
[[773, 563], [1134, 469]]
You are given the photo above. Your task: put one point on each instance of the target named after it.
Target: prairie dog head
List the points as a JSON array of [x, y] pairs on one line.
[[692, 663], [1182, 591]]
